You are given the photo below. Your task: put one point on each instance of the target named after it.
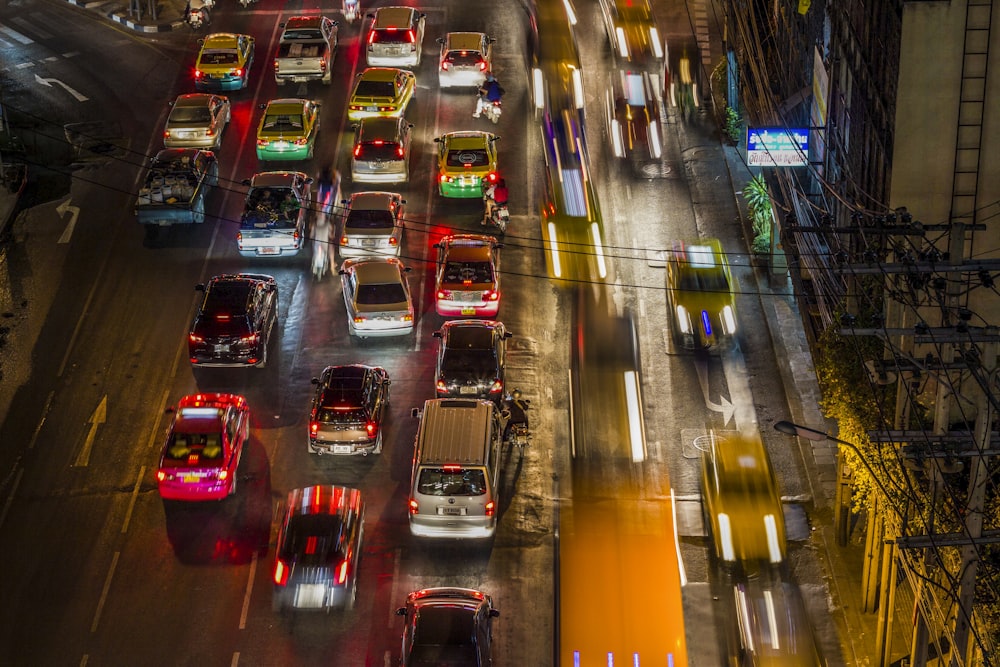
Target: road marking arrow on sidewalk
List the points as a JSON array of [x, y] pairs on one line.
[[48, 82], [99, 417], [74, 212]]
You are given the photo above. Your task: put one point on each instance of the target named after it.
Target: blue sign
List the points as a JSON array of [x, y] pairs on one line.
[[777, 147]]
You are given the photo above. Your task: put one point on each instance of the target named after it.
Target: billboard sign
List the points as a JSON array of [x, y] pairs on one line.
[[777, 147]]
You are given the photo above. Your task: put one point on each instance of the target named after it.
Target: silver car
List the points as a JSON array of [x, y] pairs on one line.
[[377, 296], [466, 58], [197, 120], [381, 151], [396, 37], [373, 224]]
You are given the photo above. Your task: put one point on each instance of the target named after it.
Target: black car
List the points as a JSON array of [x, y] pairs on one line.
[[447, 626], [471, 359], [319, 549], [348, 407], [234, 321]]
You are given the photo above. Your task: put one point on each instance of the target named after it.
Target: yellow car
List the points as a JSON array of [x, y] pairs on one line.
[[465, 160], [381, 91], [288, 130], [224, 62], [743, 511], [700, 294], [632, 31]]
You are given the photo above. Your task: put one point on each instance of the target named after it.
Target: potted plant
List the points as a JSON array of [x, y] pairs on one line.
[[761, 216], [734, 126]]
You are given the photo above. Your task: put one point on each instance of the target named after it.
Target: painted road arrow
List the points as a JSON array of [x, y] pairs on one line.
[[48, 82], [74, 212], [724, 405], [99, 417]]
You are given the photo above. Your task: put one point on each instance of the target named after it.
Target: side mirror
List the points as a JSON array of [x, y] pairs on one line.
[[402, 201], [497, 245], [402, 610], [370, 15], [494, 613], [314, 381], [507, 334], [342, 272], [345, 202], [281, 25], [406, 269], [437, 140], [440, 40], [439, 246], [200, 287], [414, 412], [246, 181], [437, 334], [308, 180], [262, 105]]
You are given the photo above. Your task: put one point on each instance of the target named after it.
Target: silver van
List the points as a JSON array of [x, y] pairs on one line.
[[456, 469], [381, 151]]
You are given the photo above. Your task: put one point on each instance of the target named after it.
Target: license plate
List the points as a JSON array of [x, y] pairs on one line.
[[222, 348], [191, 479], [394, 50], [468, 311], [468, 390], [342, 449], [269, 251], [369, 243], [451, 511], [371, 108], [280, 145]]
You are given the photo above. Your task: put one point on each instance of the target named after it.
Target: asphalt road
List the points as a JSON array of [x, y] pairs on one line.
[[95, 570]]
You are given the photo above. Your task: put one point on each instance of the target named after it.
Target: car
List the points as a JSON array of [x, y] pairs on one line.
[[471, 359], [466, 59], [373, 224], [318, 553], [632, 31], [288, 129], [468, 276], [204, 444], [556, 72], [347, 410], [396, 37], [306, 50], [700, 294], [447, 626], [224, 62], [197, 120], [465, 161], [381, 151], [381, 91], [234, 320], [273, 222], [742, 508], [633, 114], [377, 295]]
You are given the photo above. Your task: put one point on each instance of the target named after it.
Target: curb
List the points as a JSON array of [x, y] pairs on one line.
[[122, 18]]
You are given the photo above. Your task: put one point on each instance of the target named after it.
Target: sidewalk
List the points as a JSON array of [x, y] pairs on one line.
[[169, 14]]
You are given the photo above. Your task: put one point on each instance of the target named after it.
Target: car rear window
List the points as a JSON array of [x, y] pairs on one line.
[[463, 57], [468, 272], [226, 298], [450, 482], [341, 416], [302, 33], [477, 362], [193, 449], [222, 325], [704, 281], [369, 88], [381, 294], [370, 219], [218, 58], [467, 157], [283, 123], [392, 36], [190, 115], [317, 536], [444, 634], [385, 151]]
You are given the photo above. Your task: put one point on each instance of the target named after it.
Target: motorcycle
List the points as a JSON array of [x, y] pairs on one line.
[[493, 110], [246, 3], [197, 18], [516, 431], [497, 215], [352, 10]]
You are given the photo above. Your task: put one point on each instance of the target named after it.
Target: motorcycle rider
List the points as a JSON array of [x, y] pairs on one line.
[[491, 91], [494, 196], [517, 407], [198, 6]]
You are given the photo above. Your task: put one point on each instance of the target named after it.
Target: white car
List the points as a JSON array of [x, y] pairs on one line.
[[197, 120], [395, 38], [466, 58], [377, 295], [373, 224]]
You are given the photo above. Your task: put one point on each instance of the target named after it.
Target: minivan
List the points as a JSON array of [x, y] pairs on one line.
[[456, 469], [381, 151]]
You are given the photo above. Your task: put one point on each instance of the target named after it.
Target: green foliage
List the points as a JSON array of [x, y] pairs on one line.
[[761, 243], [734, 125], [759, 207]]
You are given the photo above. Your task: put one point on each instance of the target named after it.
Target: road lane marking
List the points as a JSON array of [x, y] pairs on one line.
[[98, 417], [131, 502], [236, 659], [394, 591], [45, 415], [246, 596], [10, 32], [27, 26], [104, 593], [10, 497], [154, 434]]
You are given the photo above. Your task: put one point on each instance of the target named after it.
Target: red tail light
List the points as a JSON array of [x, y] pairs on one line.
[[198, 74], [301, 141], [371, 428], [492, 176], [209, 132], [195, 339], [414, 507], [343, 240], [322, 65], [313, 428], [238, 71], [482, 65], [263, 142], [281, 572], [160, 475], [275, 64], [371, 37], [490, 507], [445, 65], [444, 294], [491, 295], [496, 387], [250, 340], [223, 475], [411, 36], [378, 142], [393, 240], [399, 151], [166, 134], [357, 151], [441, 387], [340, 576], [443, 178]]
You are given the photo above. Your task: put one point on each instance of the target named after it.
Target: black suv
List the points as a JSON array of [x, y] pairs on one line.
[[234, 322], [347, 410], [447, 626], [471, 359]]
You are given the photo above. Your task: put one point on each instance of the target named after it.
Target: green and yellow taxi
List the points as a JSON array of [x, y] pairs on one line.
[[700, 294], [224, 62], [465, 160], [288, 130], [381, 92]]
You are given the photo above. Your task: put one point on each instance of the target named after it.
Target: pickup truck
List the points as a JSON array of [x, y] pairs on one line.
[[306, 50], [176, 187], [274, 216]]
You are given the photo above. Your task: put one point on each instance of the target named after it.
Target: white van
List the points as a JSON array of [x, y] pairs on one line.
[[456, 469]]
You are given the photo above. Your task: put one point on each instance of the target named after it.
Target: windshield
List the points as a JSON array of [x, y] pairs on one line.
[[468, 157], [369, 88], [369, 220], [381, 295], [448, 482], [190, 115]]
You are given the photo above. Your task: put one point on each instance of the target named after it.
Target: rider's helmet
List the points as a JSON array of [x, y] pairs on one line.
[[516, 394], [490, 77]]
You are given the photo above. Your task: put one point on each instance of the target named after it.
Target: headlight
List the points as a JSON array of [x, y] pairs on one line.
[[726, 537], [616, 139], [622, 44], [578, 88], [654, 139], [538, 85], [683, 320], [654, 38], [729, 320]]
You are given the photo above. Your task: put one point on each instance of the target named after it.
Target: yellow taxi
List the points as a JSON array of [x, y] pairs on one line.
[[288, 130], [381, 92], [465, 161], [700, 294], [742, 506], [632, 30], [224, 62]]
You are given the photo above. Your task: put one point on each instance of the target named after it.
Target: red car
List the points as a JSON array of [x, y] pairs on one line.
[[203, 447]]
